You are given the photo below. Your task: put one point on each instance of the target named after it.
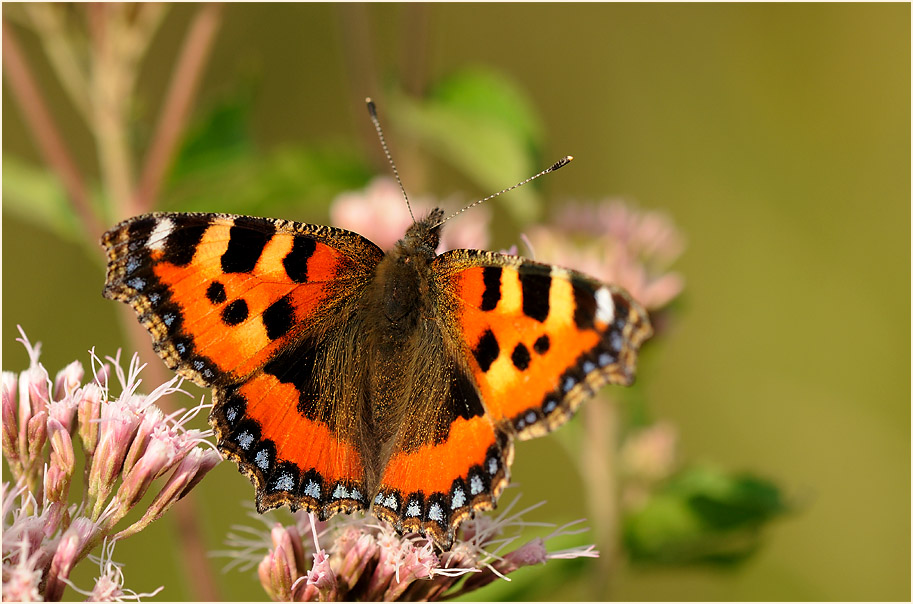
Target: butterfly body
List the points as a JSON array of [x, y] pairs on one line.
[[346, 378]]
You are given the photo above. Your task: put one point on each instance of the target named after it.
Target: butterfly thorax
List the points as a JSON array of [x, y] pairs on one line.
[[402, 276]]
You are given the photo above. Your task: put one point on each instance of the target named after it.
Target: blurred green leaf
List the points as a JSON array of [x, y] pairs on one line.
[[36, 195], [478, 122], [289, 182], [702, 515], [218, 138], [491, 96], [220, 169]]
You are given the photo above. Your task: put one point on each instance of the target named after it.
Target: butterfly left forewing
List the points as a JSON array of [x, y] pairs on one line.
[[540, 339]]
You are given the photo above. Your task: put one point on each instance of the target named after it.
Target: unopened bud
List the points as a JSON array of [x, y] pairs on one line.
[[67, 380]]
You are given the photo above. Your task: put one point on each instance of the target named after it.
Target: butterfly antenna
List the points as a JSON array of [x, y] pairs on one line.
[[558, 164], [372, 111]]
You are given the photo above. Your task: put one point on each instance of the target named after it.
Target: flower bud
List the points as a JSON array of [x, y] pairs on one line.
[[89, 414], [10, 429], [68, 380], [70, 550], [62, 454], [321, 580], [278, 570], [158, 457], [37, 435], [152, 418], [115, 434]]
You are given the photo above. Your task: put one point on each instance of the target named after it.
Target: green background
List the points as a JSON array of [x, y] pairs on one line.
[[776, 136]]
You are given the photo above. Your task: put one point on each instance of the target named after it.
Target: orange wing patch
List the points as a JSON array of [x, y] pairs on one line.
[[308, 462], [437, 486]]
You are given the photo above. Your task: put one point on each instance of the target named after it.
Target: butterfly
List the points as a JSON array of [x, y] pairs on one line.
[[347, 378]]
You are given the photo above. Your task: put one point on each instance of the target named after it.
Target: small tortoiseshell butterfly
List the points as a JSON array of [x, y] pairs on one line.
[[347, 378]]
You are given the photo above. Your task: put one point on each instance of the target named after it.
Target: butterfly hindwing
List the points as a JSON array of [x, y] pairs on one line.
[[448, 460], [246, 305]]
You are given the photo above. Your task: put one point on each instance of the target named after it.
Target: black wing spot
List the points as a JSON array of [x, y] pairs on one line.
[[278, 318], [464, 399], [520, 357], [487, 350], [215, 293], [296, 261], [584, 307], [535, 287], [182, 244], [542, 344], [235, 313], [247, 238], [491, 278]]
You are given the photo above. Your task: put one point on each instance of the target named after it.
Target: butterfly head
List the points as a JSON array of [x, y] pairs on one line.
[[423, 236]]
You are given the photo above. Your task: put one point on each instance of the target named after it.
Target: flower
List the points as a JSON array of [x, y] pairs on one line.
[[129, 445], [367, 560], [380, 213], [616, 243]]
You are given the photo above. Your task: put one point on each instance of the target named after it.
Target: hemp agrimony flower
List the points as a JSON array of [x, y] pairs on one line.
[[130, 448]]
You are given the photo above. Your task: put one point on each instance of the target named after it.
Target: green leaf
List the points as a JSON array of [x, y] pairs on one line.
[[292, 181], [220, 137], [491, 96], [703, 515], [482, 125], [36, 195], [220, 169]]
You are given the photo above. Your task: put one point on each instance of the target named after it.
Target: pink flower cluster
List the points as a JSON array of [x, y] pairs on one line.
[[617, 243], [367, 560], [130, 447]]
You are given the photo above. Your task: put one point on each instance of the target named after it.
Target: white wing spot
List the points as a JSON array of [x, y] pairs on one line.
[[355, 494], [475, 485], [436, 513], [492, 466], [588, 366], [379, 499], [340, 492], [245, 439], [160, 234], [262, 459], [285, 482], [605, 307], [413, 509], [390, 502], [459, 498], [312, 489]]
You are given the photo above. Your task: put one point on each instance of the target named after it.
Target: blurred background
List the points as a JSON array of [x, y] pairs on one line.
[[776, 137]]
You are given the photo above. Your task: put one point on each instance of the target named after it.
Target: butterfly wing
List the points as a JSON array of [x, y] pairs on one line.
[[250, 307], [523, 344], [541, 339]]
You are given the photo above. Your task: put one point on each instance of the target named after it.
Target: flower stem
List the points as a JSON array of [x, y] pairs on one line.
[[45, 131]]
